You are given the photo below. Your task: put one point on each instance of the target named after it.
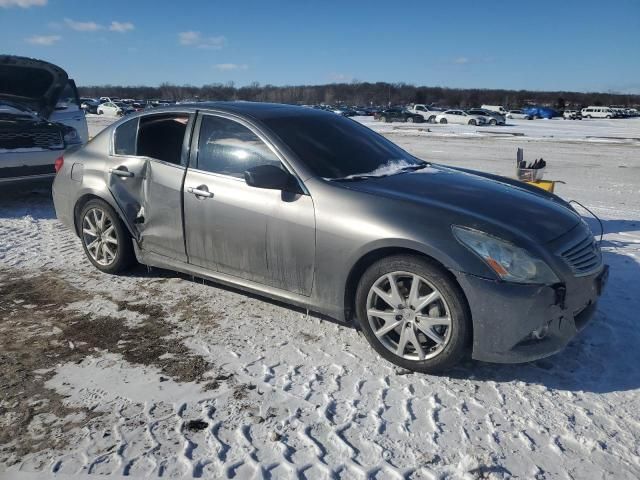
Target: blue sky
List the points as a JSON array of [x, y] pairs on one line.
[[569, 45]]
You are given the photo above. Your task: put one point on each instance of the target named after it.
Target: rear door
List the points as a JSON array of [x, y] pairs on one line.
[[265, 236], [149, 159], [68, 111]]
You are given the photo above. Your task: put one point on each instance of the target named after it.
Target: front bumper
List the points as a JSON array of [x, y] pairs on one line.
[[27, 164], [505, 315]]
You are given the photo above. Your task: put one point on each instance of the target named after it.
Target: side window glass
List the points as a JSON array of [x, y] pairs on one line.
[[229, 148], [124, 142]]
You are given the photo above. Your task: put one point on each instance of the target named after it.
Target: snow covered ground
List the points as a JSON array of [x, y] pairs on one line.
[[155, 374]]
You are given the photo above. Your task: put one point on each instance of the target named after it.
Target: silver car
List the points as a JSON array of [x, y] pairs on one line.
[[317, 210]]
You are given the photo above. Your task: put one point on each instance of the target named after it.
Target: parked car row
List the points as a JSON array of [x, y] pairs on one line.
[[118, 107]]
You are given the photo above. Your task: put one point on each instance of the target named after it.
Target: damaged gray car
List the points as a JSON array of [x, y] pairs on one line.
[[317, 210]]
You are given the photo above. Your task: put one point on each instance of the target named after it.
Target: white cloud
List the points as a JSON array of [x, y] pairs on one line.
[[225, 67], [22, 3], [461, 61], [121, 27], [44, 40], [196, 39], [82, 26]]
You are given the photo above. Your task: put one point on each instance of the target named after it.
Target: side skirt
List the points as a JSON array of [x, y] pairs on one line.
[[160, 261]]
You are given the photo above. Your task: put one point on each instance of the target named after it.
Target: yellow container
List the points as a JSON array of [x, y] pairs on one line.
[[547, 185]]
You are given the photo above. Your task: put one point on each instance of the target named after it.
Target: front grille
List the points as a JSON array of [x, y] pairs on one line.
[[584, 256], [46, 139]]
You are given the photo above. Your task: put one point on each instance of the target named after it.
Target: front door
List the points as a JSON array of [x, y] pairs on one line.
[[148, 168], [261, 235]]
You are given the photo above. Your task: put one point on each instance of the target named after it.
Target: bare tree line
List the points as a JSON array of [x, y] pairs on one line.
[[363, 93]]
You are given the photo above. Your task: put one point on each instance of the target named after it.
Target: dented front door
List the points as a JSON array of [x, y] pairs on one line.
[[149, 192]]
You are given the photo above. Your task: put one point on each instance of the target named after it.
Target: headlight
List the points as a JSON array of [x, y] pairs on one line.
[[511, 263], [71, 137]]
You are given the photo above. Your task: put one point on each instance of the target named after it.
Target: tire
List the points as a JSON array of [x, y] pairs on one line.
[[443, 121], [432, 119], [472, 122], [454, 338], [589, 117], [114, 257], [493, 121], [409, 120], [100, 112], [609, 117], [386, 119]]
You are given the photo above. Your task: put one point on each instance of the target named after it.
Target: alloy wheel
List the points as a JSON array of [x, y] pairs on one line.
[[99, 236], [409, 315]]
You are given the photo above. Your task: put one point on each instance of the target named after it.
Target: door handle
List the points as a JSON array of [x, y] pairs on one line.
[[200, 191], [121, 172]]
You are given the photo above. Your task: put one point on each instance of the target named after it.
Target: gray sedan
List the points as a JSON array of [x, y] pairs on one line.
[[319, 211]]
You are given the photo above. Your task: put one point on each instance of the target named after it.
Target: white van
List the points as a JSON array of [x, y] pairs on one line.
[[496, 108], [597, 112]]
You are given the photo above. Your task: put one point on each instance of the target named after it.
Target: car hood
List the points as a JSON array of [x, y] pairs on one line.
[[489, 198], [33, 83]]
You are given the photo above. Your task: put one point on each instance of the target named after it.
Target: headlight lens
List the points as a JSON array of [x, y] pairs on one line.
[[71, 137], [511, 263]]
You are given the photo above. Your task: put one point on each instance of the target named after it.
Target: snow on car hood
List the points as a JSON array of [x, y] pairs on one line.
[[33, 83]]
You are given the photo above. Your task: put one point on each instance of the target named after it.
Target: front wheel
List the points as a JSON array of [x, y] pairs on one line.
[[472, 122], [105, 240], [409, 119], [100, 112], [493, 122], [443, 121], [413, 314], [432, 119]]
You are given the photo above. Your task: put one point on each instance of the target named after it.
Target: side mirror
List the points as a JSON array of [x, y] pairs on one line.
[[270, 177]]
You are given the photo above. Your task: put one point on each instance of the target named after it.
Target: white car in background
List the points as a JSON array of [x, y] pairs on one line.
[[490, 117], [495, 108], [597, 112], [109, 108], [428, 113], [461, 117], [518, 115]]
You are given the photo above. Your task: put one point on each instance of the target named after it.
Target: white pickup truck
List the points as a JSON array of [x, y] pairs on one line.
[[427, 112]]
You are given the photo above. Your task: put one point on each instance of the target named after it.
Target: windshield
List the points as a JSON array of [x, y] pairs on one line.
[[336, 147], [68, 99]]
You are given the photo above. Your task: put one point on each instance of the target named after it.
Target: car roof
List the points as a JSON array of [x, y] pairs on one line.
[[257, 110]]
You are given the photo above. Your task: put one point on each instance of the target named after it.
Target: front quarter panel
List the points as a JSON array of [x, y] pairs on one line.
[[351, 224]]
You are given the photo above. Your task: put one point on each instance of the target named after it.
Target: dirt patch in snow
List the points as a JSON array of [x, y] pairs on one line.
[[38, 332]]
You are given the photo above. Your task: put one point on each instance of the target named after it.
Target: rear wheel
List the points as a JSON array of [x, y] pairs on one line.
[[105, 240], [386, 119], [100, 112], [443, 120], [413, 314], [432, 119], [472, 122], [493, 121], [409, 119]]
